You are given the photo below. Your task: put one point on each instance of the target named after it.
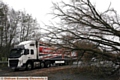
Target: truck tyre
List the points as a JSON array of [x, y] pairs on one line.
[[42, 64], [29, 66], [66, 63], [16, 69], [47, 64]]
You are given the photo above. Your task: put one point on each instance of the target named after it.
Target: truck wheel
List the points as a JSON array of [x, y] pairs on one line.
[[48, 64], [42, 65], [66, 63], [29, 66], [16, 69]]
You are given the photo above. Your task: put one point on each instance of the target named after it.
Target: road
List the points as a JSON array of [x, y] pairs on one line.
[[35, 72], [53, 73]]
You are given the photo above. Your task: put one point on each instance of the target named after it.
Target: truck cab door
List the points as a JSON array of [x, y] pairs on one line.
[[25, 56], [32, 54]]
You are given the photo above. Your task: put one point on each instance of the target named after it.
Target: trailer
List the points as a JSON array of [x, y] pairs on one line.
[[31, 54]]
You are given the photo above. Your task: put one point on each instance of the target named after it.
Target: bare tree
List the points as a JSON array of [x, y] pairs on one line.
[[15, 26], [83, 22], [28, 26]]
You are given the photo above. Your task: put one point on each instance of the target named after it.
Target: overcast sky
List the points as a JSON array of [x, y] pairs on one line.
[[39, 9]]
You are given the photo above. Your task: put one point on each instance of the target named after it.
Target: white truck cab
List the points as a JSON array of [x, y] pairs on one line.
[[22, 55]]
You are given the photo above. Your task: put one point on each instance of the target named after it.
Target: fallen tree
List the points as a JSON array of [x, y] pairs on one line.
[[81, 21]]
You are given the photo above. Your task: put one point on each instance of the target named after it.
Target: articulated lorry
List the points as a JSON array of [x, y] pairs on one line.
[[32, 54]]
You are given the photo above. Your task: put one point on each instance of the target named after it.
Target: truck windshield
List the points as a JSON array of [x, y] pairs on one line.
[[15, 53]]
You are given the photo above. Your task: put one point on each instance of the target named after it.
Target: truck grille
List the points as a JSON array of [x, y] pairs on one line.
[[13, 63]]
